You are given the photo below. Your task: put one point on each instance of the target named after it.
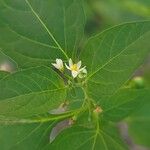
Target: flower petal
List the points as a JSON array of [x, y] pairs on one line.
[[79, 64], [83, 73], [82, 69], [74, 74], [57, 60], [70, 62], [60, 63], [67, 66], [55, 65]]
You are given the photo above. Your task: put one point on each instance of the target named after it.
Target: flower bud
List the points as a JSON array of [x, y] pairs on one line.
[[138, 82], [97, 110]]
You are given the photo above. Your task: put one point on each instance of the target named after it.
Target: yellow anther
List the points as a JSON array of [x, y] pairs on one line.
[[74, 67]]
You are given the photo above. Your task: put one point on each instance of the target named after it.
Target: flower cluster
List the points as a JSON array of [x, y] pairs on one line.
[[75, 68]]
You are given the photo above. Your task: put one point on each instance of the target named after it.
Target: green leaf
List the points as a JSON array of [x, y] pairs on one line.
[[31, 92], [25, 136], [3, 74], [81, 138], [112, 56], [75, 97], [139, 124], [31, 27], [123, 103]]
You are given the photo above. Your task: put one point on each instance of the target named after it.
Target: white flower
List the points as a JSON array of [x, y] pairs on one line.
[[59, 64], [75, 68]]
